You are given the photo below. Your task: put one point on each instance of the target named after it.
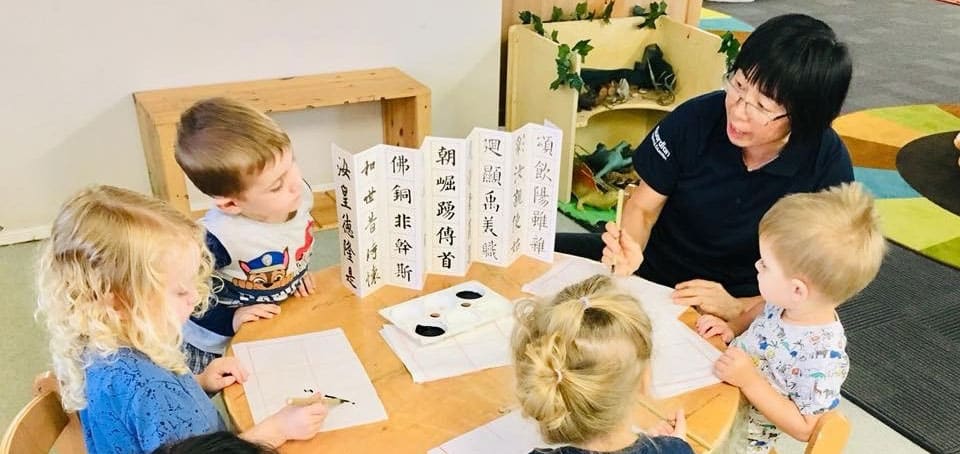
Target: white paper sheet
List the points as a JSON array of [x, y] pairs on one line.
[[681, 361], [292, 366], [508, 434], [482, 348]]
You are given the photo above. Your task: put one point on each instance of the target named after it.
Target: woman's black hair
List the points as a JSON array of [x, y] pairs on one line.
[[798, 61], [216, 442]]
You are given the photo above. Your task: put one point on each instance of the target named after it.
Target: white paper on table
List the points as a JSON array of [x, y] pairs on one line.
[[482, 348], [447, 177], [289, 367], [508, 434], [681, 360]]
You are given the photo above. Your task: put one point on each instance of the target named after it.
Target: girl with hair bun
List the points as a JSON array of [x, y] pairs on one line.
[[580, 359]]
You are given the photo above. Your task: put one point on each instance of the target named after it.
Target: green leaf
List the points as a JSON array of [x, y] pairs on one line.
[[557, 14], [525, 17], [607, 11], [652, 14], [582, 47], [581, 11], [553, 36], [730, 46], [537, 24]]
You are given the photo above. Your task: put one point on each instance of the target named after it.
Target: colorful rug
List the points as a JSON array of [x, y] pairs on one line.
[[874, 136]]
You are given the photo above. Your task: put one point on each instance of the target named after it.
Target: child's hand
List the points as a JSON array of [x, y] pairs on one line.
[[711, 325], [254, 312], [677, 429], [298, 423], [220, 373], [736, 367], [306, 286]]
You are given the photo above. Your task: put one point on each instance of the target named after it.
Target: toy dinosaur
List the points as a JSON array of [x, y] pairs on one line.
[[584, 186], [604, 160]]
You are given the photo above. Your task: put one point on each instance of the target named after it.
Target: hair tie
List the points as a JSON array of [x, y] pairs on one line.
[[585, 301], [559, 374]]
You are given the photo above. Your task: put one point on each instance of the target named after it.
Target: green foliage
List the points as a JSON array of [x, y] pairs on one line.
[[557, 14], [656, 10], [581, 12], [526, 17], [566, 75], [607, 11], [730, 46]]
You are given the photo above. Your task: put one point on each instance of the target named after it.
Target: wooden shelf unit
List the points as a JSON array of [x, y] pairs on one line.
[[404, 101], [531, 68]]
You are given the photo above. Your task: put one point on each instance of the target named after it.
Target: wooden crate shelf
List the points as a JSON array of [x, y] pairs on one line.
[[405, 107], [531, 68]]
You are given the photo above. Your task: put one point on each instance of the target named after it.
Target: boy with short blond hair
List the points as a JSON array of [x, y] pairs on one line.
[[816, 251], [260, 230]]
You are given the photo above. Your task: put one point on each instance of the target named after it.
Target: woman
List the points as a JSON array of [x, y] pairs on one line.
[[713, 167]]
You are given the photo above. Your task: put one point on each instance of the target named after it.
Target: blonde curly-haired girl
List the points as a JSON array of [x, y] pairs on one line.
[[118, 278]]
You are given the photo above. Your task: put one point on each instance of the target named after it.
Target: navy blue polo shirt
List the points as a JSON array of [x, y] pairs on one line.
[[708, 226]]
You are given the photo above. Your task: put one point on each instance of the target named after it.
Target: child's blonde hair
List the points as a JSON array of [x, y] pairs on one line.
[[223, 143], [579, 359], [101, 286], [831, 239]]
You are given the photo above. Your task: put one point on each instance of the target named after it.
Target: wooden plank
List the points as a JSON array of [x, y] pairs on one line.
[[167, 180], [406, 121], [324, 210], [287, 93]]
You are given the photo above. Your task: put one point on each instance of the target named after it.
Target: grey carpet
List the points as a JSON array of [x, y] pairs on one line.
[[904, 51], [903, 335]]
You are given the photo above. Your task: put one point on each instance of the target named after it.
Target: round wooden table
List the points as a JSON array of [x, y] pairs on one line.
[[424, 416]]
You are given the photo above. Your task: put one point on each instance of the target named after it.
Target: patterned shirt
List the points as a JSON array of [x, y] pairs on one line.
[[643, 445], [806, 363], [135, 406]]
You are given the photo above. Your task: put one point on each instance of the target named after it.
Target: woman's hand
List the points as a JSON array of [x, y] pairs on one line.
[[621, 251], [709, 296]]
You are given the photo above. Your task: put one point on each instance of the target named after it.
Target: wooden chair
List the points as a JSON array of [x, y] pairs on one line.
[[830, 435], [43, 425]]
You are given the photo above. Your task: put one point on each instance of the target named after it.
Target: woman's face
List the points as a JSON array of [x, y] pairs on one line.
[[753, 119]]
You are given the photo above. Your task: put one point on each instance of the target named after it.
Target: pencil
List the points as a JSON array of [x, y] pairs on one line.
[[690, 434], [613, 267]]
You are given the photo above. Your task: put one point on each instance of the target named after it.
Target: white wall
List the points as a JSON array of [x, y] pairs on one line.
[[68, 70]]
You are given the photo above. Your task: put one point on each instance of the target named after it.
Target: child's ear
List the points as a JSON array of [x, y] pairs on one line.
[[800, 290], [227, 204]]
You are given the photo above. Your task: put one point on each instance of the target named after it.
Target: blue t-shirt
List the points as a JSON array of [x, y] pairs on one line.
[[135, 406], [643, 445], [708, 226]]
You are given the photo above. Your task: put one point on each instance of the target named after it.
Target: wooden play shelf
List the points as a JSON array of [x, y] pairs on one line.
[[405, 106]]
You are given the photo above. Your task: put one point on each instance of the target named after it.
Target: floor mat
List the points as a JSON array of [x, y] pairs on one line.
[[903, 335], [874, 136]]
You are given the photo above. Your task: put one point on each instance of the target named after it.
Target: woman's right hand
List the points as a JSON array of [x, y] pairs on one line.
[[621, 251]]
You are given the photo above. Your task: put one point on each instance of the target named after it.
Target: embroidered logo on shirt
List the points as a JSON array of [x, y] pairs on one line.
[[659, 144]]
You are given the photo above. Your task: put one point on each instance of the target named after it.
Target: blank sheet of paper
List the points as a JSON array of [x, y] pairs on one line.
[[291, 366], [508, 434], [481, 348]]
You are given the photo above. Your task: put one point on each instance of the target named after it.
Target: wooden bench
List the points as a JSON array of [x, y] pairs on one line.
[[405, 108]]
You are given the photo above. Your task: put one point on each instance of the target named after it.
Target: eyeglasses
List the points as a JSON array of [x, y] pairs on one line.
[[755, 113]]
